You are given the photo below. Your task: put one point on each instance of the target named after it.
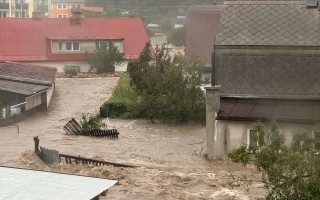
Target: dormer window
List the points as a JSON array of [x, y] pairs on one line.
[[72, 46], [102, 44], [60, 46]]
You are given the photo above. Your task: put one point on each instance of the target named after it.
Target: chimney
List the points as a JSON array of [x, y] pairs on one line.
[[76, 15]]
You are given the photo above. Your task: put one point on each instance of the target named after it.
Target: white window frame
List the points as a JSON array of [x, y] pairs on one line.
[[62, 16], [72, 46], [62, 6], [60, 46], [99, 44], [248, 139]]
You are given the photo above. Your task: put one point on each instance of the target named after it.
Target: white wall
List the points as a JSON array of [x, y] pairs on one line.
[[49, 95], [233, 134], [83, 65], [33, 101]]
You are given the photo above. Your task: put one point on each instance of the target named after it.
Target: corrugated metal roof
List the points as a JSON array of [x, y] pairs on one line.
[[29, 184], [26, 39]]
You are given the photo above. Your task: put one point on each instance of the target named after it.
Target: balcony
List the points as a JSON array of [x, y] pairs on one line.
[[4, 6], [76, 10]]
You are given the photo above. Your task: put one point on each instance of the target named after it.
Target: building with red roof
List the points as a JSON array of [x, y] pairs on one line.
[[64, 42]]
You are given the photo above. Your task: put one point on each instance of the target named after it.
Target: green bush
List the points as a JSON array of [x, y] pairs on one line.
[[123, 103], [91, 122], [71, 70]]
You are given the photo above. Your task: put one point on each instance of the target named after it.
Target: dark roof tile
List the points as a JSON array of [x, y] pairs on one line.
[[286, 23]]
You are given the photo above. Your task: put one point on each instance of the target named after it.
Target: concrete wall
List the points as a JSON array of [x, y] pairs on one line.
[[83, 65]]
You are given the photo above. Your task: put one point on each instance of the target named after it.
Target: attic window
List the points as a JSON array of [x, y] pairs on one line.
[[72, 46], [312, 3], [102, 44]]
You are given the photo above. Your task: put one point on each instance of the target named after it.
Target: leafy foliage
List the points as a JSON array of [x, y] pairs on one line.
[[168, 88], [290, 172], [124, 102], [105, 58], [91, 122]]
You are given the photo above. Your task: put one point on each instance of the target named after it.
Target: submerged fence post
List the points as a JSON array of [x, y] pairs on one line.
[[36, 144]]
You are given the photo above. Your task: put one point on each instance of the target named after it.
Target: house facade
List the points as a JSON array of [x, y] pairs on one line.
[[16, 8], [65, 42], [266, 68], [65, 8], [24, 89]]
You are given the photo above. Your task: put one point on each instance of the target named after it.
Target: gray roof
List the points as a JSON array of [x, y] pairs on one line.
[[286, 23], [26, 79], [29, 184], [21, 87], [280, 110], [30, 73], [269, 75]]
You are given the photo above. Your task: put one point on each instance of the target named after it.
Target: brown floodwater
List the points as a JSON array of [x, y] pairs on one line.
[[169, 157]]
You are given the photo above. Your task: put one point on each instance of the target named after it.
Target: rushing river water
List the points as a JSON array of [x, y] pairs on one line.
[[169, 157]]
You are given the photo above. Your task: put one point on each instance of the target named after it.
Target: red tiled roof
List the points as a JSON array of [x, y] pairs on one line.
[[28, 39], [93, 9]]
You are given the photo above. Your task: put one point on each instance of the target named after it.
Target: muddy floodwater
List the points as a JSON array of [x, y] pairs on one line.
[[169, 158]]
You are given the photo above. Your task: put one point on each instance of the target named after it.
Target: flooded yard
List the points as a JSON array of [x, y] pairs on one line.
[[169, 157]]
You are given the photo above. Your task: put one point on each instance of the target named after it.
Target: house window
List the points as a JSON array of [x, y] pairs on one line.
[[62, 6], [60, 46], [72, 46], [62, 15], [316, 137], [102, 44], [252, 140], [3, 13], [76, 5]]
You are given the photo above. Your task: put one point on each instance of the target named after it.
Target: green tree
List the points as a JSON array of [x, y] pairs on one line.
[[169, 88], [105, 58], [289, 172]]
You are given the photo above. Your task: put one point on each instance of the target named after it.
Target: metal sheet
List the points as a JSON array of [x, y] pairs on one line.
[[29, 184]]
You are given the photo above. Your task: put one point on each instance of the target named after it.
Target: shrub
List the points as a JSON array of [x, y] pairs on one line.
[[123, 103], [91, 122], [71, 70], [289, 172]]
